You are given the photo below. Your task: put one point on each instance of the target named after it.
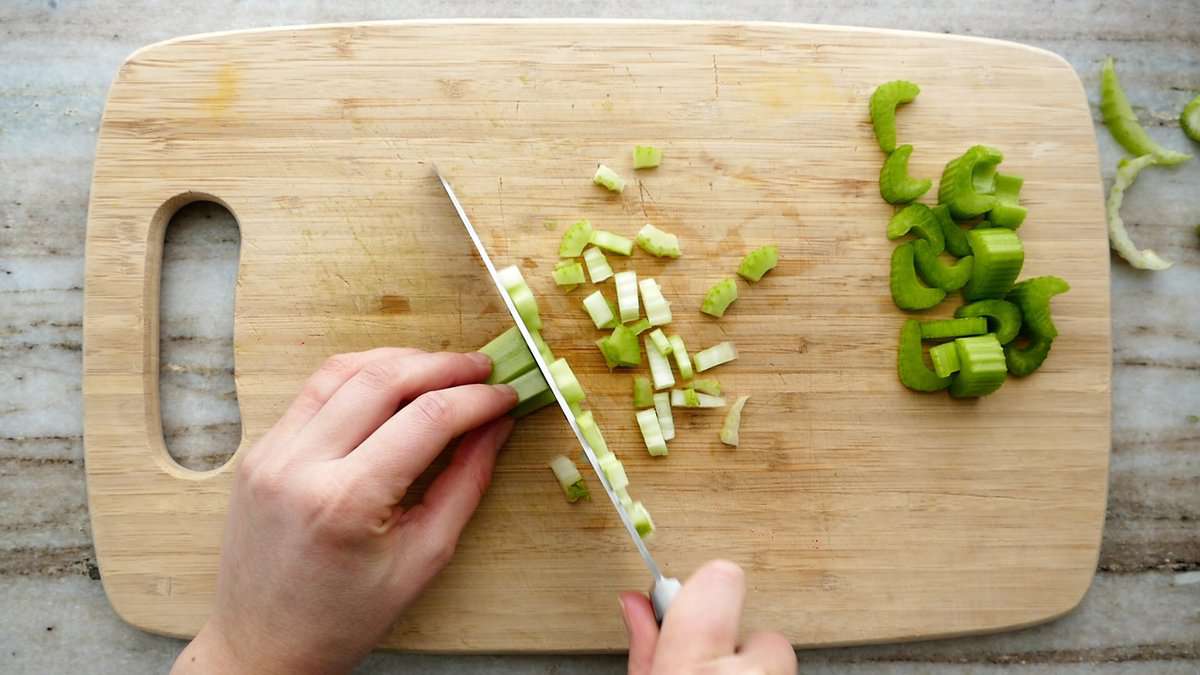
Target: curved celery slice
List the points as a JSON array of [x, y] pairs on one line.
[[1032, 297], [918, 218], [612, 242], [660, 368], [999, 256], [733, 422], [907, 290], [646, 156], [758, 262], [1004, 319], [942, 329], [679, 351], [706, 386], [968, 181], [883, 110], [575, 239], [719, 298], [944, 358], [981, 366], [690, 398], [656, 242], [662, 408], [652, 434], [614, 471], [597, 265], [1008, 211], [658, 310], [569, 478], [567, 383], [510, 357], [1024, 360], [661, 341], [643, 395], [937, 273], [1118, 237], [1122, 123], [910, 361], [956, 238], [591, 433], [569, 273], [1189, 119], [641, 519], [627, 295], [598, 309], [527, 307], [895, 185], [722, 352], [608, 178]]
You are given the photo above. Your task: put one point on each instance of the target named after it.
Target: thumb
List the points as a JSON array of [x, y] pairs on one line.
[[642, 628]]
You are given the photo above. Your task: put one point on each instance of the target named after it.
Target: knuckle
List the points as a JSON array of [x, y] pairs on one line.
[[379, 375], [338, 364], [264, 481], [432, 408], [441, 551]]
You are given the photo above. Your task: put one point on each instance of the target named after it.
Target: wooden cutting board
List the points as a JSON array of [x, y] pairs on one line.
[[861, 511]]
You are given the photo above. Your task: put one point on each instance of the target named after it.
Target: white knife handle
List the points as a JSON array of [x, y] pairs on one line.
[[663, 594]]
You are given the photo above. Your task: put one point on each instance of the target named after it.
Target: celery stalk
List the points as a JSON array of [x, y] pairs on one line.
[[569, 478], [657, 242], [661, 341], [722, 352], [597, 265], [662, 408], [733, 422], [627, 295], [612, 242], [608, 178], [658, 310], [597, 308], [660, 368], [679, 350], [646, 156], [575, 239], [643, 395], [647, 421]]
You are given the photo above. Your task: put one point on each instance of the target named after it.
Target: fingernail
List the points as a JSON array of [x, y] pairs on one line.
[[624, 614], [481, 359]]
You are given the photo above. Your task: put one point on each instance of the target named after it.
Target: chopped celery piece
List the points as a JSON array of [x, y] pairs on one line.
[[884, 101], [910, 361], [612, 242], [968, 182], [999, 256], [942, 329], [690, 398], [532, 393], [1004, 319], [640, 326], [918, 218], [1024, 360], [657, 243], [719, 297], [722, 352], [981, 367], [658, 310], [641, 519], [591, 433], [614, 471], [955, 236], [608, 178], [660, 368], [733, 422], [679, 350], [646, 156], [706, 386], [624, 345], [1032, 297], [895, 185], [1008, 211], [1118, 236], [662, 407], [758, 262], [661, 341], [623, 496], [609, 351], [597, 265], [1123, 124], [945, 359], [567, 383], [576, 409], [522, 298], [1189, 119], [575, 239], [569, 478], [643, 395], [570, 274], [510, 277], [627, 295], [937, 273], [510, 357], [907, 290], [652, 435], [598, 309], [542, 347]]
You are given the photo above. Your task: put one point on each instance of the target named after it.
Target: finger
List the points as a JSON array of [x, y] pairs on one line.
[[642, 629], [378, 390], [768, 653], [321, 385], [703, 621], [452, 498], [405, 445]]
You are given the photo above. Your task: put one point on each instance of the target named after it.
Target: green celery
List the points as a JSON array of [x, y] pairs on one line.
[[944, 358], [679, 351], [706, 386], [917, 218], [719, 297], [1008, 211], [733, 421], [599, 310], [657, 243], [895, 185], [568, 273], [608, 178], [614, 243], [968, 182], [907, 290], [943, 329], [884, 101], [652, 435], [660, 368], [981, 367], [955, 236], [661, 341], [510, 357], [643, 395], [938, 273], [910, 361], [999, 256], [1004, 319], [627, 296], [597, 265], [1123, 124], [722, 352], [569, 478], [666, 422], [567, 383], [646, 157], [575, 239], [758, 262]]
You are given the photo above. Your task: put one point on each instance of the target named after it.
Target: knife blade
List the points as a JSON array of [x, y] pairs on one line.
[[664, 588]]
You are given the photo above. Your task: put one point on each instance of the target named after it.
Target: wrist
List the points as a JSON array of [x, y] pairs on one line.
[[211, 652]]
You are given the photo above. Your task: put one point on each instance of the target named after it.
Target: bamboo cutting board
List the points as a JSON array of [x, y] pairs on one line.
[[861, 511]]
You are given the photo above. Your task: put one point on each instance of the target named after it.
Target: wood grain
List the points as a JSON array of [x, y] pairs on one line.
[[862, 512]]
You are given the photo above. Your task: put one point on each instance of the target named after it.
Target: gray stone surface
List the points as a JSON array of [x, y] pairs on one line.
[[56, 61]]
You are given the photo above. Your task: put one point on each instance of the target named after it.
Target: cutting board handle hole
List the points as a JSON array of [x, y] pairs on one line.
[[198, 404]]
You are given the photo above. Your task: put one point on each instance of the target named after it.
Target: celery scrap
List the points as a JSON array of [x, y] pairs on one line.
[[660, 368], [569, 273], [657, 243], [733, 422], [567, 383], [981, 366], [907, 290], [652, 435], [608, 178], [944, 358], [968, 182], [917, 218], [706, 386], [662, 407], [646, 156], [1118, 237], [910, 361], [599, 310], [943, 329], [936, 272], [955, 236], [758, 262], [722, 352], [895, 185], [1004, 319], [643, 395], [614, 243], [1008, 211], [679, 351], [658, 310], [661, 341], [719, 298], [597, 265], [575, 239], [1123, 124], [999, 256], [627, 296], [569, 478], [641, 519], [884, 101], [1189, 119]]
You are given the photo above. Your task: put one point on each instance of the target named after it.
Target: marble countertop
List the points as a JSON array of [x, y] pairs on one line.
[[57, 57]]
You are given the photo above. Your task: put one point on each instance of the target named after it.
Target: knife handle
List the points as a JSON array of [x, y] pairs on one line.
[[662, 594]]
